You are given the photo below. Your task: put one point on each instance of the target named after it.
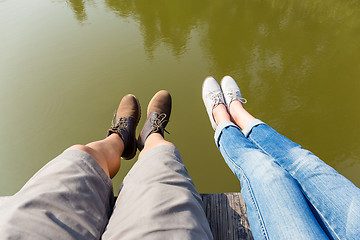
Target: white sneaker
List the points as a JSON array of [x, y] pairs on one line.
[[212, 96], [231, 91]]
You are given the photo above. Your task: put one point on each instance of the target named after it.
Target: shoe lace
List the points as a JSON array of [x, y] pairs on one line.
[[235, 95], [158, 122], [120, 123], [216, 98]]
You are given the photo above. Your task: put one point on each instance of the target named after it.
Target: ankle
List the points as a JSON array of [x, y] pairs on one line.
[[154, 140], [239, 115], [220, 114]]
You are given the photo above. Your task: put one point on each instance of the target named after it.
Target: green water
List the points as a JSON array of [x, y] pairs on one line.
[[65, 65]]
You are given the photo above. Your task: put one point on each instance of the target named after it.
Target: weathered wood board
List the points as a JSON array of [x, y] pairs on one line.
[[226, 213]]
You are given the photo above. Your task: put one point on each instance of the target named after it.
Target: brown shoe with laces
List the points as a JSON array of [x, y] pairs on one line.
[[124, 123], [158, 114]]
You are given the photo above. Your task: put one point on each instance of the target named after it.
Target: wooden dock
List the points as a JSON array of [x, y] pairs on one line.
[[226, 213]]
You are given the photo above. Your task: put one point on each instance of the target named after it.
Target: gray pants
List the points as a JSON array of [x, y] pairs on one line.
[[72, 198]]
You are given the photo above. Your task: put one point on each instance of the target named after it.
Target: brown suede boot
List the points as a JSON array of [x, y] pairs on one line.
[[158, 114], [124, 124]]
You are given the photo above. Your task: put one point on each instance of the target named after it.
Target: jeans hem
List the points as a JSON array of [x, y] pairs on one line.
[[249, 126], [219, 129]]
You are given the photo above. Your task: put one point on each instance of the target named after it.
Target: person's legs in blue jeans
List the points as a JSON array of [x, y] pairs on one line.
[[335, 199], [276, 207], [275, 204]]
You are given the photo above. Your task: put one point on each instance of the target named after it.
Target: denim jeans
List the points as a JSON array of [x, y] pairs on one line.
[[289, 192]]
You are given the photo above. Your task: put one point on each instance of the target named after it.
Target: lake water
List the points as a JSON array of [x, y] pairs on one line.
[[65, 65]]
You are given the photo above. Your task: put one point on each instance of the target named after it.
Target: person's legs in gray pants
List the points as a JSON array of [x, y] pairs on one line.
[[158, 200], [72, 197]]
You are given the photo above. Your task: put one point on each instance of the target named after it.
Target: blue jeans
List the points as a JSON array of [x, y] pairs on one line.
[[289, 192]]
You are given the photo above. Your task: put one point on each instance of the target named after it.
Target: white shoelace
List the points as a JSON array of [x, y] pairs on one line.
[[216, 98], [235, 95]]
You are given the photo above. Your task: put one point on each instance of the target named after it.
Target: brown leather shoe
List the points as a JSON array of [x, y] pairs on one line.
[[158, 114], [124, 124]]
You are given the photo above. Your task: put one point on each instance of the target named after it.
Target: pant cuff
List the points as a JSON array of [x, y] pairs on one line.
[[219, 129], [249, 126]]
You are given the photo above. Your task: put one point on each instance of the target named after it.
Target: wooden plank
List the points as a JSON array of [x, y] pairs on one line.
[[226, 213]]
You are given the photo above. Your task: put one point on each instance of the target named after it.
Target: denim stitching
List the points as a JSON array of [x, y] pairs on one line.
[[322, 216], [262, 224], [259, 146]]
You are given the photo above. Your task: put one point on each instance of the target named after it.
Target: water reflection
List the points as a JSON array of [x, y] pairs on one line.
[[168, 22], [297, 62], [78, 7], [289, 55], [279, 47], [171, 22]]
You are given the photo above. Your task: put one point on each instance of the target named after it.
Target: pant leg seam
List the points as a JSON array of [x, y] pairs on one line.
[[321, 215], [254, 141], [262, 224]]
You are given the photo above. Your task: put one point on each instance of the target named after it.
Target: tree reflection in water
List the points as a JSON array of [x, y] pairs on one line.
[[78, 6], [294, 51]]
